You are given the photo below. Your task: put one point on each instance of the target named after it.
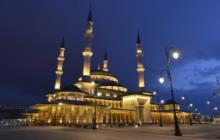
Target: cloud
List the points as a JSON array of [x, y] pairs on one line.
[[197, 74]]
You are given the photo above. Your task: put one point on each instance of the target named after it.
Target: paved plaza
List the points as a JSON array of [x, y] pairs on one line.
[[195, 132]]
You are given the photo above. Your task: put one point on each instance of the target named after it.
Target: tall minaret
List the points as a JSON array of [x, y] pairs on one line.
[[140, 66], [105, 63], [87, 53], [59, 71]]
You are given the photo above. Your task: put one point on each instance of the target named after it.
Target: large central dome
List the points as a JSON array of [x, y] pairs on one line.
[[102, 76]]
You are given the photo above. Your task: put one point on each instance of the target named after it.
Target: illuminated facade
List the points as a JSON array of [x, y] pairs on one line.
[[97, 94], [165, 113]]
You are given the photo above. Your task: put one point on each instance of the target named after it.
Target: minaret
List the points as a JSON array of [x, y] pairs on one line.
[[105, 63], [87, 52], [59, 71], [140, 66]]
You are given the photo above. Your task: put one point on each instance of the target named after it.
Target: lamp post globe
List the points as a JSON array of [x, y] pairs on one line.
[[208, 102], [175, 54], [182, 98], [161, 79]]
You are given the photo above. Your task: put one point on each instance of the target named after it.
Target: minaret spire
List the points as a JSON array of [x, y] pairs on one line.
[[140, 66], [105, 63], [87, 52], [59, 70], [90, 15]]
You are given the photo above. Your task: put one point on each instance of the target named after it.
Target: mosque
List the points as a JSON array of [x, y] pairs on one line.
[[98, 97]]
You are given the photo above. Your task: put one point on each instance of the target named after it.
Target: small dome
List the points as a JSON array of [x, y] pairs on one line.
[[101, 75], [99, 71], [110, 84], [71, 88]]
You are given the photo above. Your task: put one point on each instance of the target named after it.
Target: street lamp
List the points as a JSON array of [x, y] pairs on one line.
[[189, 106], [175, 54], [172, 54], [208, 102], [215, 108], [159, 107], [94, 126], [161, 121], [190, 118], [161, 79], [182, 98]]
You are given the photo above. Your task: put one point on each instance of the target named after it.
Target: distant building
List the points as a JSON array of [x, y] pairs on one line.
[[99, 96]]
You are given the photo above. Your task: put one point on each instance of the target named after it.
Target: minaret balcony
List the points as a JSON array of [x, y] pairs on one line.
[[60, 58], [140, 69], [139, 51], [87, 52], [59, 72]]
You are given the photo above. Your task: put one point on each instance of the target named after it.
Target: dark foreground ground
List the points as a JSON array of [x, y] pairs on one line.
[[195, 132]]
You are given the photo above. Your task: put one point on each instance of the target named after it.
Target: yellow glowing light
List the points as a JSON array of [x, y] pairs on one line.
[[99, 94], [136, 126], [61, 121], [60, 103], [93, 83], [49, 121]]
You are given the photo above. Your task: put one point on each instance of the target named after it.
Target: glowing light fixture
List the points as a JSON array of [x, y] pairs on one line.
[[99, 94], [215, 108], [93, 83], [161, 79], [175, 54], [61, 121], [49, 121], [208, 102], [182, 98], [60, 103]]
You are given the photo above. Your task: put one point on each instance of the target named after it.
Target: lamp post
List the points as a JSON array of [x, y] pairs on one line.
[[190, 117], [160, 103], [174, 55], [94, 118], [215, 109], [94, 125], [189, 106], [161, 121]]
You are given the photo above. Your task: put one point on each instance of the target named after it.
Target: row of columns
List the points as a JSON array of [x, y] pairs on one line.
[[58, 115]]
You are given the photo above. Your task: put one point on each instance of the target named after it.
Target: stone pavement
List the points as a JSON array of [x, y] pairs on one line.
[[151, 132]]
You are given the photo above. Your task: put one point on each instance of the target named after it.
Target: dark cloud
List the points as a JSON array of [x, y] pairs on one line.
[[207, 71]]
